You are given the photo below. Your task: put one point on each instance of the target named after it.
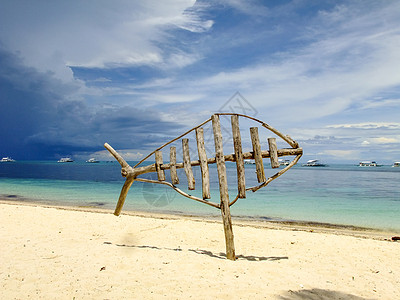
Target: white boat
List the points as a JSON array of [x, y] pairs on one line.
[[65, 160], [283, 162], [7, 159], [92, 160], [396, 164], [368, 164], [249, 162], [314, 163]]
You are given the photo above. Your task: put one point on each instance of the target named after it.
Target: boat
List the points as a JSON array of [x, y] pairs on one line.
[[284, 162], [7, 159], [314, 163], [396, 164], [65, 160], [92, 160], [368, 164], [249, 162]]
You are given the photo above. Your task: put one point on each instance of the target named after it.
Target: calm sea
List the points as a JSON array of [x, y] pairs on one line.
[[337, 194]]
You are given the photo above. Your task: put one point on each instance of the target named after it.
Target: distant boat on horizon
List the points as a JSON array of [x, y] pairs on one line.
[[249, 162], [396, 164], [314, 163], [65, 160], [368, 164], [7, 159], [92, 160], [283, 162]]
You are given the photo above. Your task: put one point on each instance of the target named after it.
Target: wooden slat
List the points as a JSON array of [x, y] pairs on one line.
[[257, 154], [159, 162], [186, 164], [203, 163], [237, 144], [223, 188], [172, 160], [273, 152]]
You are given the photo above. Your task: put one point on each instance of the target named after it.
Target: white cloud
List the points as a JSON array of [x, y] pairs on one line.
[[180, 60], [98, 34], [101, 79], [376, 103], [191, 21], [249, 7], [343, 154], [127, 154], [384, 140], [367, 125]]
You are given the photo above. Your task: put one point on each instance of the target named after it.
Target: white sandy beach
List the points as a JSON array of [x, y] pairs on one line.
[[54, 253]]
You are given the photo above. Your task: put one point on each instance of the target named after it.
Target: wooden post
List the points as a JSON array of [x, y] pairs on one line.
[[122, 196], [257, 154], [186, 164], [237, 144], [159, 162], [273, 152], [172, 163], [203, 163], [223, 188]]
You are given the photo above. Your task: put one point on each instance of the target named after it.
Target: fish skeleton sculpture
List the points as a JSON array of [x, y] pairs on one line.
[[132, 173]]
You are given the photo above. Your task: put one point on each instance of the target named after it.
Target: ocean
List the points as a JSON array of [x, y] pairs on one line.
[[336, 194]]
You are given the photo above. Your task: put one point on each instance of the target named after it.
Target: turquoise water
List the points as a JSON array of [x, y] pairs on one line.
[[338, 194]]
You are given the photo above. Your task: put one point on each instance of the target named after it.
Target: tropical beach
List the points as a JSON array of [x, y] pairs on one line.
[[72, 253], [61, 237], [258, 143]]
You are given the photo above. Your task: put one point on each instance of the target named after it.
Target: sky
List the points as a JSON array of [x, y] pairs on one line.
[[135, 74]]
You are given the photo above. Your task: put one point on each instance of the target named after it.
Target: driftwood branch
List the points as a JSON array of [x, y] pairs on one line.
[[172, 170], [223, 189], [273, 152], [255, 140], [122, 196], [237, 145], [205, 175], [159, 162], [187, 165]]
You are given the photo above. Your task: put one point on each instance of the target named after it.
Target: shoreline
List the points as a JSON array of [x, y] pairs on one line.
[[310, 226]]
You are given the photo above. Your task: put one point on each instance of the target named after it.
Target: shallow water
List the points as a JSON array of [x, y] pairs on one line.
[[338, 194]]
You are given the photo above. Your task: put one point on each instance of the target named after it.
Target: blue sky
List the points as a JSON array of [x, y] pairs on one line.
[[76, 74]]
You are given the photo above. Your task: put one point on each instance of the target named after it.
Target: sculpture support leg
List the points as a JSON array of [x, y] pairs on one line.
[[226, 218], [223, 188], [122, 196]]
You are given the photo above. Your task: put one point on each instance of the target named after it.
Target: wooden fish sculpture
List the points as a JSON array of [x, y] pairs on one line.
[[132, 173]]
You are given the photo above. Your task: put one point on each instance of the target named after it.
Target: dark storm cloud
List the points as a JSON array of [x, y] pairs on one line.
[[38, 119], [27, 99]]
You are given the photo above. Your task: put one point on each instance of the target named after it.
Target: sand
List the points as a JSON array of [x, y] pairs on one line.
[[55, 253]]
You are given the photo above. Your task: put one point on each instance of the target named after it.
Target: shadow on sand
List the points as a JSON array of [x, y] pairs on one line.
[[222, 255], [318, 294], [143, 247]]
